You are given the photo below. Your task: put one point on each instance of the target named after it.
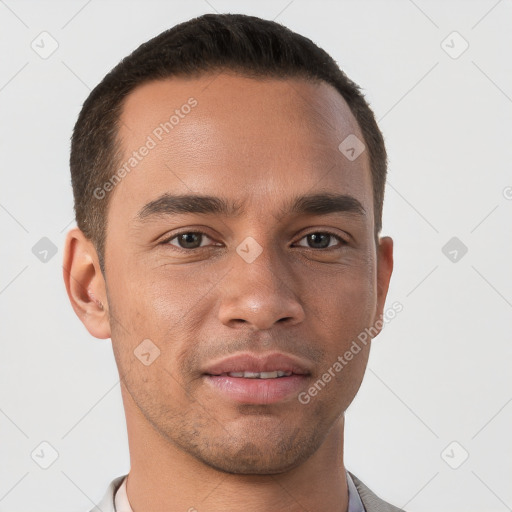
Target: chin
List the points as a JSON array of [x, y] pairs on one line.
[[259, 456], [249, 464]]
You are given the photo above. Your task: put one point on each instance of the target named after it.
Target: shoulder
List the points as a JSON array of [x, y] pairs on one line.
[[371, 502], [107, 502]]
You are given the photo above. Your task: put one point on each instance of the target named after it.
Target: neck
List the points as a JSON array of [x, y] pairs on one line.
[[164, 477]]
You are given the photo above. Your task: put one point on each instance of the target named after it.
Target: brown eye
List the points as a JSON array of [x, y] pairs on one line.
[[322, 240], [188, 240]]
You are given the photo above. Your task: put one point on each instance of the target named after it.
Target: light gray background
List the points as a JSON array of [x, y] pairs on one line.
[[440, 371]]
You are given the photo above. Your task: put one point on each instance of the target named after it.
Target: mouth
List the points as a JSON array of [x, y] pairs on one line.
[[277, 374], [256, 388], [255, 379]]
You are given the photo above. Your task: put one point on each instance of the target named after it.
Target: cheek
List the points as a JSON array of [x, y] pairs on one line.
[[174, 296], [345, 310], [344, 300], [169, 307], [151, 299]]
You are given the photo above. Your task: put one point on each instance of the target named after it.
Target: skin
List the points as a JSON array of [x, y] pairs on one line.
[[259, 143]]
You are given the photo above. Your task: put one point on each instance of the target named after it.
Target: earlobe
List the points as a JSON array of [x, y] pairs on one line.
[[85, 284]]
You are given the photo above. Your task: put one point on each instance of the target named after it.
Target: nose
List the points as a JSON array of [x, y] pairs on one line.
[[260, 294]]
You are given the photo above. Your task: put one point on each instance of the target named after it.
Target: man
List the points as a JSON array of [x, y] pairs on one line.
[[228, 182]]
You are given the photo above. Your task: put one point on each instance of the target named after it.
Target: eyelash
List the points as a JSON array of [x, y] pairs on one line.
[[167, 241]]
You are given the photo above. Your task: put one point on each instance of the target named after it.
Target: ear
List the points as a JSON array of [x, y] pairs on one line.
[[85, 284], [384, 271]]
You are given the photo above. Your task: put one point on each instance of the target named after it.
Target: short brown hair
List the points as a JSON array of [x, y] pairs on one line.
[[248, 45]]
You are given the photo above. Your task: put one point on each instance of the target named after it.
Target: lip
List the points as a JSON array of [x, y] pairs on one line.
[[249, 362], [257, 391]]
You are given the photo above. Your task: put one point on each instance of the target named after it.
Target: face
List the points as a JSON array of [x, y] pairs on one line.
[[285, 283]]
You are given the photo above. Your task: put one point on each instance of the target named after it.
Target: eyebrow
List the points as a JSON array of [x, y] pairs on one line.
[[312, 204]]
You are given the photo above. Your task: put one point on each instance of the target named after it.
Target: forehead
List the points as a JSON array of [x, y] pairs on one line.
[[225, 134], [230, 101]]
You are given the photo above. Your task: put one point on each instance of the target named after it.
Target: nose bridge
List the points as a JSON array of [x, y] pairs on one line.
[[259, 290]]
